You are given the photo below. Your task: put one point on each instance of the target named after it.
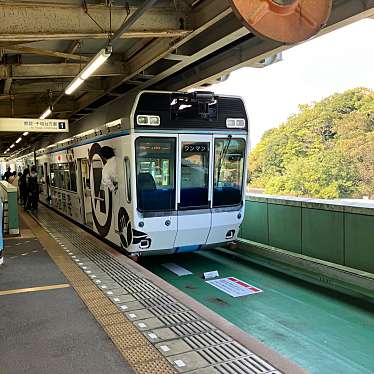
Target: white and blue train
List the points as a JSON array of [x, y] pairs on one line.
[[179, 173]]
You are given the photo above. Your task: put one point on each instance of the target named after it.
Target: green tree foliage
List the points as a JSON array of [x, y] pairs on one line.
[[324, 151]]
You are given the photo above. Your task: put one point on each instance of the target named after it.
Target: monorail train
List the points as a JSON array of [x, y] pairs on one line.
[[180, 172]]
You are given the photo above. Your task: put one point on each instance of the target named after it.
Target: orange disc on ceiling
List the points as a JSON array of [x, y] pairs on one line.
[[287, 21]]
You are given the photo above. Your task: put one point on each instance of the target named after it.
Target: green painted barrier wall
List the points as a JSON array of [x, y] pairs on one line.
[[334, 231], [8, 195]]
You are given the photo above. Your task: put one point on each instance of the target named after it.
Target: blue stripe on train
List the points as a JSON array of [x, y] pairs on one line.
[[187, 248]]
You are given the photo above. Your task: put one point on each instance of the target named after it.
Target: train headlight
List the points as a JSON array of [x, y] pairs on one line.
[[146, 120], [235, 123], [142, 120], [230, 122], [154, 120]]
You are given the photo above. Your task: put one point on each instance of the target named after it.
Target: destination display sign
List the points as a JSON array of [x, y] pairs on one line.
[[34, 125], [195, 148]]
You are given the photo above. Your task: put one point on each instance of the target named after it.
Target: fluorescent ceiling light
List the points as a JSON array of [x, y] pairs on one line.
[[75, 83], [12, 146], [89, 69], [46, 113], [18, 140], [95, 63], [25, 133]]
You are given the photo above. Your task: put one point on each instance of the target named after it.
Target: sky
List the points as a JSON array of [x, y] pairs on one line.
[[335, 62]]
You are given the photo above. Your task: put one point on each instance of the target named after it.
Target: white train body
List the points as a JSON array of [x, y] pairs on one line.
[[180, 168]]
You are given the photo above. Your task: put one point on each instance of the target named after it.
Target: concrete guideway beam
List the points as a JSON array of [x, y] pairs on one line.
[[44, 21]]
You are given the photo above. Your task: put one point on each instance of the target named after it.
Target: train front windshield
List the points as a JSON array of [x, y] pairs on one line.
[[155, 170], [156, 165], [228, 171]]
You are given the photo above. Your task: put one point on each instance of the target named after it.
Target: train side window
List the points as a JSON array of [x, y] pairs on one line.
[[73, 177], [128, 179], [66, 178], [52, 175], [155, 173], [228, 171]]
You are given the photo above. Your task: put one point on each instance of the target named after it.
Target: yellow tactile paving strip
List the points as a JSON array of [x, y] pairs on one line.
[[136, 350]]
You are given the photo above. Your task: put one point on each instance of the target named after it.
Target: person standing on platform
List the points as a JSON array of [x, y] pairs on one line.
[[7, 174], [12, 177], [15, 181], [33, 190], [23, 187]]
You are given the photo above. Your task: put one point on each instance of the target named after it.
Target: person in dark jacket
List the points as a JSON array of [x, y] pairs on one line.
[[7, 174], [22, 183], [33, 190]]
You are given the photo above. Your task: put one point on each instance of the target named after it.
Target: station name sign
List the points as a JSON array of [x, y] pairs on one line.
[[34, 125]]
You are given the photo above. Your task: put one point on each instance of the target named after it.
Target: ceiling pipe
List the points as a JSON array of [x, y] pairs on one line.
[[133, 18]]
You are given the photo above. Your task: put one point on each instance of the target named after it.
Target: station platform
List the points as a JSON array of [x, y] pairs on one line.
[[70, 303]]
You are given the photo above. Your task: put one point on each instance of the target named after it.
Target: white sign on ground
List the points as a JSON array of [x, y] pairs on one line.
[[176, 269], [234, 287], [34, 125]]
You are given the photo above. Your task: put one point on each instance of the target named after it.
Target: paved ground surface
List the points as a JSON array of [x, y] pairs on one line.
[[323, 331], [156, 327], [49, 331]]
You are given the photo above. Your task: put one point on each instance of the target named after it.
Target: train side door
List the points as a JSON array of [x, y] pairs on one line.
[[194, 191], [86, 192]]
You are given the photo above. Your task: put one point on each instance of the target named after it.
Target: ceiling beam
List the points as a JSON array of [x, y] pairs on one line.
[[7, 85], [23, 38], [9, 44], [44, 52], [136, 48], [36, 71], [24, 87], [29, 21], [75, 44], [31, 108], [176, 57]]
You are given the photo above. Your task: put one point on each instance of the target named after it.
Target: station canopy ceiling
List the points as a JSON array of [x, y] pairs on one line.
[[44, 44]]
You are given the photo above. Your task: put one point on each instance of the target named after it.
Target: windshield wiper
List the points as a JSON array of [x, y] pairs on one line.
[[221, 158]]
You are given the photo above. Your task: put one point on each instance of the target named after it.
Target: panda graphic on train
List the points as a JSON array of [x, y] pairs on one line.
[[105, 185]]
